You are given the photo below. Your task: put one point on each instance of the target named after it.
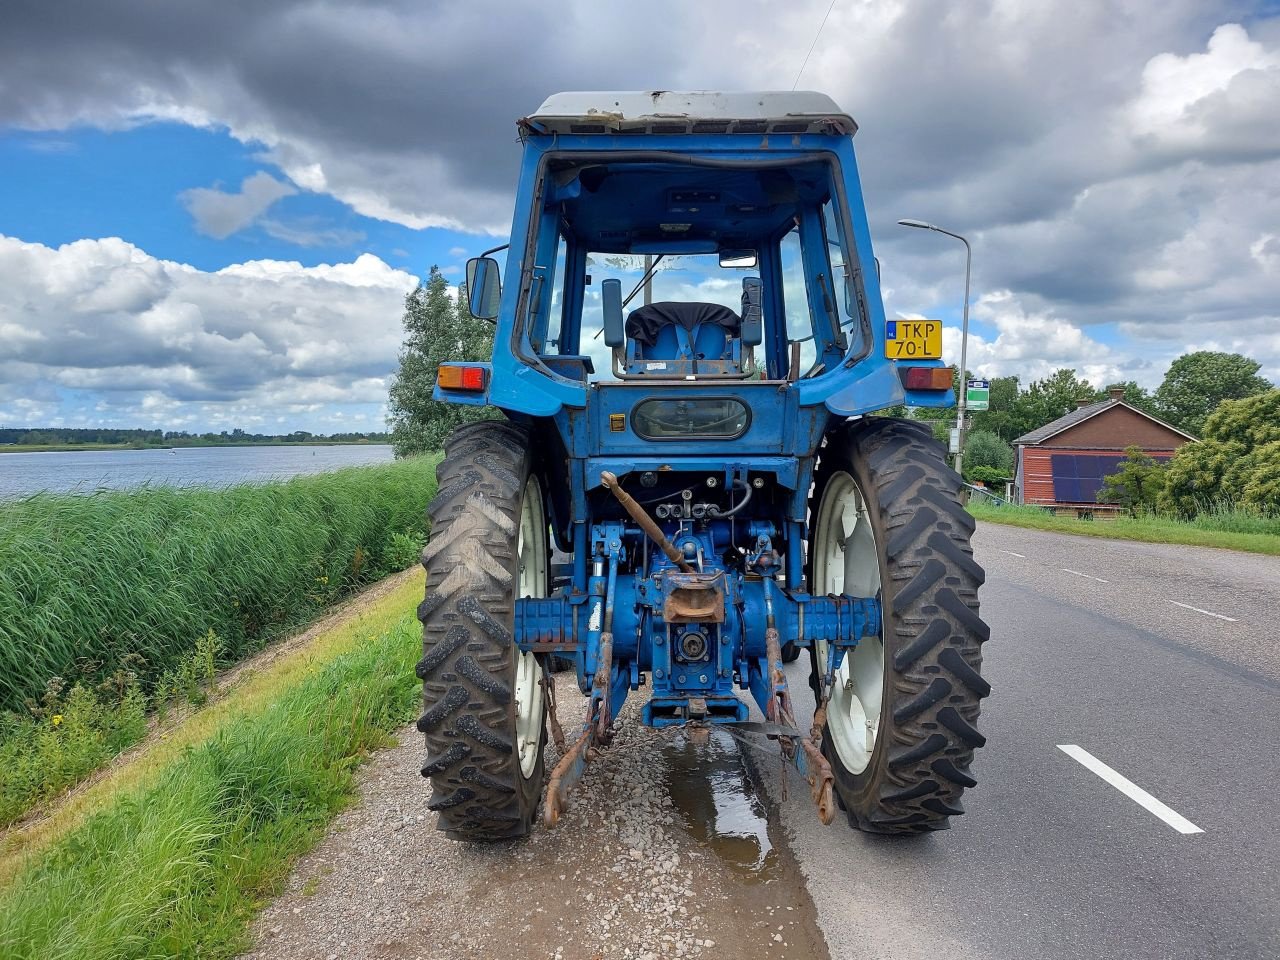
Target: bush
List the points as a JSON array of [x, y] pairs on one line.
[[988, 476], [982, 448], [1237, 462], [1137, 484]]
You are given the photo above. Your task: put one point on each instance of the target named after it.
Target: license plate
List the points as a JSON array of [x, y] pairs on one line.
[[913, 339]]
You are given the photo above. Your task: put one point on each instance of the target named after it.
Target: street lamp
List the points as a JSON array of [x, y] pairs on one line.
[[964, 333]]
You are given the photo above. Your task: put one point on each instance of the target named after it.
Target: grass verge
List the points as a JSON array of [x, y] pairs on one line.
[[1223, 530], [172, 856]]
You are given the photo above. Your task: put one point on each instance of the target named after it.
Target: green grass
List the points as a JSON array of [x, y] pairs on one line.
[[91, 585], [177, 866], [1221, 526]]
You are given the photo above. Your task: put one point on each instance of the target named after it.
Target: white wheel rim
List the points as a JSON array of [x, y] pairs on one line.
[[531, 547], [846, 561]]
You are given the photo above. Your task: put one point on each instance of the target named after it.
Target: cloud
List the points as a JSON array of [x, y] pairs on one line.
[[310, 232], [153, 338], [1221, 102], [219, 214], [1032, 344], [1114, 166]]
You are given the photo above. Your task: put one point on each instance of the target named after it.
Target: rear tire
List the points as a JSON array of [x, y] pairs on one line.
[[886, 519], [484, 707]]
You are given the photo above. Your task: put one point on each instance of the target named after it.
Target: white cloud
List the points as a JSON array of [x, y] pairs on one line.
[[1223, 99], [1030, 344], [156, 338], [220, 214]]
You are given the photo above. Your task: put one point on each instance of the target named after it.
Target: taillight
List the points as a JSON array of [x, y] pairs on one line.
[[451, 376], [926, 378]]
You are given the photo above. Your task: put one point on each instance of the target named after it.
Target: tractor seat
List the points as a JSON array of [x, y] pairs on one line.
[[679, 339]]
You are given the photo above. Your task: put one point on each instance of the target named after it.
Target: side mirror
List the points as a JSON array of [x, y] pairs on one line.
[[484, 287], [611, 299], [752, 313], [741, 259]]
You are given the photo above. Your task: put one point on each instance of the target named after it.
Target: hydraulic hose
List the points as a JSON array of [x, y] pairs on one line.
[[715, 511]]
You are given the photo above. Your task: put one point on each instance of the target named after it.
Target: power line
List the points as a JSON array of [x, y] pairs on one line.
[[814, 44]]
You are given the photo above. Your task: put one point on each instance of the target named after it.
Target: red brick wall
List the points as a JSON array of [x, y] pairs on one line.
[[1115, 429]]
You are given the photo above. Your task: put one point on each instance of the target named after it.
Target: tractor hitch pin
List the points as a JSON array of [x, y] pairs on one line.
[[644, 521]]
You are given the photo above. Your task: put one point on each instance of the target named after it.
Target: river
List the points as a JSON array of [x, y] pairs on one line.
[[85, 471]]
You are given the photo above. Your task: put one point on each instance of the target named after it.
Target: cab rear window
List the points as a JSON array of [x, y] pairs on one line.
[[722, 418]]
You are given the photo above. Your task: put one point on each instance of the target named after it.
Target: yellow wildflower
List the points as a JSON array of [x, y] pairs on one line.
[[57, 719]]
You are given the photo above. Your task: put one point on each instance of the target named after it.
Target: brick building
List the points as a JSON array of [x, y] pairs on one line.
[[1062, 464]]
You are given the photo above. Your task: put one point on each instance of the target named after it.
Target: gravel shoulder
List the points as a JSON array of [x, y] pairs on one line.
[[668, 849]]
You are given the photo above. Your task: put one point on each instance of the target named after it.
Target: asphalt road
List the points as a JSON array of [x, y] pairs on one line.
[[1163, 662]]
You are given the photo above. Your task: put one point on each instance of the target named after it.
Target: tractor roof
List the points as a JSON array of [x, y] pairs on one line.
[[702, 112]]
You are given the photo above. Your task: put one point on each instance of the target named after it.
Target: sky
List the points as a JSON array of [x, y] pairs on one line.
[[210, 213]]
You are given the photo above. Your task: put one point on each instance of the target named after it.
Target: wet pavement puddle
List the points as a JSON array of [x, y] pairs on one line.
[[712, 790]]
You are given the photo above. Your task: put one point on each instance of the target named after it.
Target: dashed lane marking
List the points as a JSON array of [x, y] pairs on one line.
[[1012, 554], [1087, 576], [1207, 613], [1129, 789]]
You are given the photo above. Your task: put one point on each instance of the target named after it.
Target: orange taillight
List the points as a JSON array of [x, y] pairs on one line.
[[452, 376]]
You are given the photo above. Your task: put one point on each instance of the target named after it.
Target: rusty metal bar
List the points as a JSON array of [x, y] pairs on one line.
[[603, 678], [820, 782], [645, 522], [566, 775]]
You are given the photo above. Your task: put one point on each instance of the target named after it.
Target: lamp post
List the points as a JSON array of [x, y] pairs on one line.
[[964, 334]]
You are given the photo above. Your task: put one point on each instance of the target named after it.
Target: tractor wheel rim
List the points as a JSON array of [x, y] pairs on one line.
[[531, 548], [847, 561]]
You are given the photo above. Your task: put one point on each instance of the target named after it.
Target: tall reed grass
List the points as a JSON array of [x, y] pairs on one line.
[[129, 581]]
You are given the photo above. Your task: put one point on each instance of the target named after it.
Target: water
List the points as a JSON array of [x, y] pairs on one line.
[[22, 474], [711, 788]]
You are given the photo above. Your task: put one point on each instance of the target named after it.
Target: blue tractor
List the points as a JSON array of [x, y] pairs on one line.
[[688, 492]]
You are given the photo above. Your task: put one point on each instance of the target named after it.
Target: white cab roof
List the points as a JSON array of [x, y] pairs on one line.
[[667, 111]]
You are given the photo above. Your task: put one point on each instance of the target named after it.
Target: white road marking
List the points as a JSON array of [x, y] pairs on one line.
[[1087, 576], [1207, 613], [1129, 789], [1012, 554]]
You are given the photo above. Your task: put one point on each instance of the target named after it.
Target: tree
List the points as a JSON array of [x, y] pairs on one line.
[[1137, 396], [1137, 483], [999, 418], [1254, 421], [1048, 399], [985, 451], [1262, 488], [1198, 382], [437, 328]]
